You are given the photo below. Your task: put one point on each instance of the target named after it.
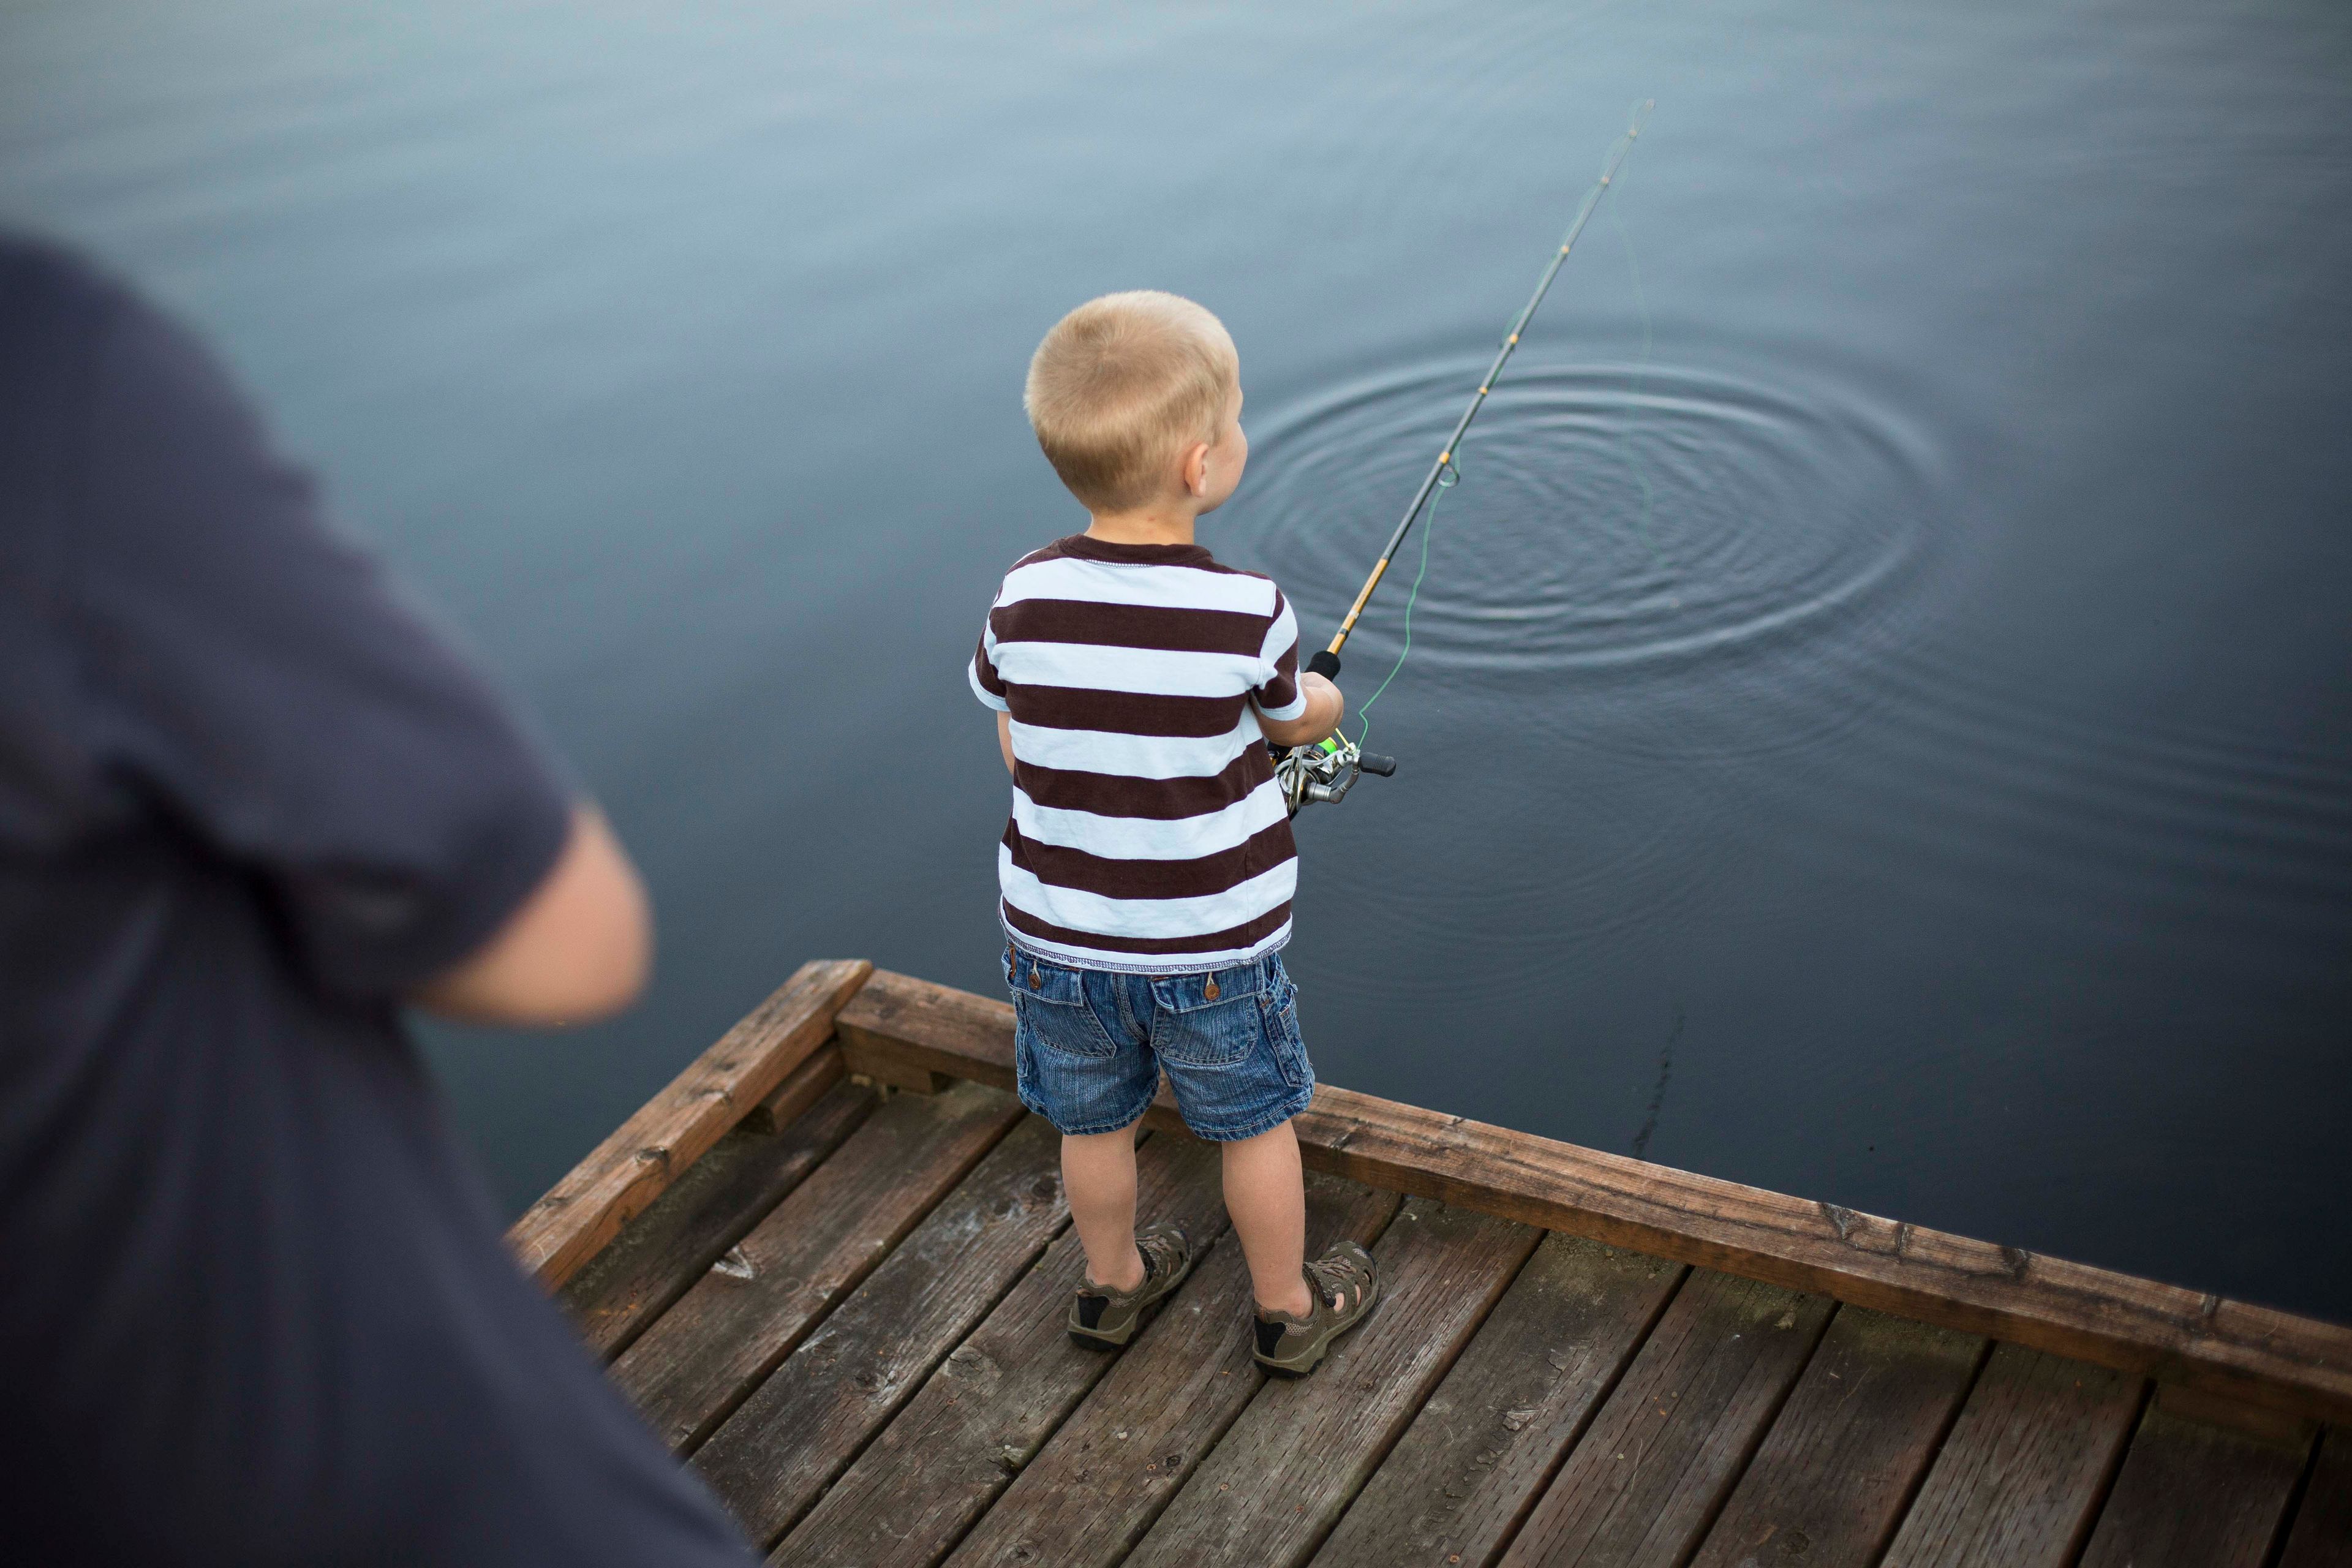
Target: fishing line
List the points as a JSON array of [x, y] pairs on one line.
[[1428, 531], [1327, 662], [1640, 470], [1326, 772], [1625, 453]]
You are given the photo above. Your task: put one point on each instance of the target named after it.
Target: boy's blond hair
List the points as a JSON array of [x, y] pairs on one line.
[[1123, 383]]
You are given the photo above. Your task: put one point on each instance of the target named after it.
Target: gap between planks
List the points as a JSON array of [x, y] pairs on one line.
[[2139, 1327]]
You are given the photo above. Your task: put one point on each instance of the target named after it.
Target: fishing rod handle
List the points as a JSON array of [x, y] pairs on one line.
[[1325, 663]]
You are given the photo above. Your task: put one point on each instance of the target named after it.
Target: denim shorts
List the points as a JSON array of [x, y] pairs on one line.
[[1090, 1045]]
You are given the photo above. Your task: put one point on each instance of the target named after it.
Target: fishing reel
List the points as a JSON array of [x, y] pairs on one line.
[[1326, 771]]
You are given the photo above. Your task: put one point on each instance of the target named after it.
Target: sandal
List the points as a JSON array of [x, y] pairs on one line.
[[1106, 1319], [1344, 1282]]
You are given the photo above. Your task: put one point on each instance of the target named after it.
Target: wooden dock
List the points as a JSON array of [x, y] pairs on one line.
[[830, 1263]]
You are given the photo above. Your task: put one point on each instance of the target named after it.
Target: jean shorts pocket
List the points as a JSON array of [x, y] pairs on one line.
[[1218, 1033], [1054, 1014]]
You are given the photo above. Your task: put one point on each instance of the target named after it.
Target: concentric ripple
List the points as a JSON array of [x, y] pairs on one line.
[[1608, 515]]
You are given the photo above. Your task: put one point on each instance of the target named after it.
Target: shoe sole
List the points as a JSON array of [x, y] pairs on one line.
[[1094, 1339], [1307, 1361]]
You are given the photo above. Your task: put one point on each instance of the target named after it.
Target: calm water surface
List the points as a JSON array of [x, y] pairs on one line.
[[1880, 720]]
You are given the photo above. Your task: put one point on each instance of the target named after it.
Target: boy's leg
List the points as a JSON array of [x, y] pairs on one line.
[[1098, 1179], [1265, 1193]]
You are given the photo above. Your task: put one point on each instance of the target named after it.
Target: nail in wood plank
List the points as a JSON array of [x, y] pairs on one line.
[[1467, 1470], [632, 1167], [1278, 1478], [2025, 1466], [735, 1324], [2192, 1495], [660, 1254], [1653, 1467], [985, 1412], [1098, 1482], [1850, 1447], [801, 1428]]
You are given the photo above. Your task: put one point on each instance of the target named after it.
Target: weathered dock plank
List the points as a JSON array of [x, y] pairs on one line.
[[939, 1463], [1099, 1481], [2192, 1495], [1644, 1485], [1851, 1447], [803, 1088], [801, 1428], [2321, 1536], [2136, 1326], [661, 1253], [1277, 1481], [631, 1168], [1462, 1478], [734, 1325], [899, 1023], [2022, 1474]]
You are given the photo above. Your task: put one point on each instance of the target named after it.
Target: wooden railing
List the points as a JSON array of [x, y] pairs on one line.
[[629, 1170], [915, 1035]]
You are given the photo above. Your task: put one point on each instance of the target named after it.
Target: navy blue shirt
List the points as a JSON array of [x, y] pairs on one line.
[[255, 1307]]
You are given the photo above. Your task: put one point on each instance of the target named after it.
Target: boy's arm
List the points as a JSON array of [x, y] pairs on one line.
[[1325, 708], [989, 687]]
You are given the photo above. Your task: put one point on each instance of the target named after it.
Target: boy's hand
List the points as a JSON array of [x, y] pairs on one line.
[[1325, 708]]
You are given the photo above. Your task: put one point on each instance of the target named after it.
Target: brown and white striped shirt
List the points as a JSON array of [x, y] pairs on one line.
[[1147, 834]]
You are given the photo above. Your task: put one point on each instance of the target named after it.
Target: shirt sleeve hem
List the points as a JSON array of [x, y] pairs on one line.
[[988, 698], [497, 884], [1294, 709]]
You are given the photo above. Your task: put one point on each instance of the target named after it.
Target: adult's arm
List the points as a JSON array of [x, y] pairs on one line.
[[579, 949], [257, 677]]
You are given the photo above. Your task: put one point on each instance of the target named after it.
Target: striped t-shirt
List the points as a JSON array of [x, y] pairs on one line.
[[1147, 834]]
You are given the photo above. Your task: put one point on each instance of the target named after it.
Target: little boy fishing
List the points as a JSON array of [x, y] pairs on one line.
[[1147, 870]]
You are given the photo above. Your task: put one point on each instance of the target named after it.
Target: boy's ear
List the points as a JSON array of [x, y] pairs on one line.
[[1194, 471]]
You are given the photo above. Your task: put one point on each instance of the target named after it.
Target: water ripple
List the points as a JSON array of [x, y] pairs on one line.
[[1610, 515]]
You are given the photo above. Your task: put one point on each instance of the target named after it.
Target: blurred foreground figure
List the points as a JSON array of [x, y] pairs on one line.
[[255, 1307]]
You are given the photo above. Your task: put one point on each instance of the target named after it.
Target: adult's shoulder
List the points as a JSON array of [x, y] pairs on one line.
[[41, 279], [96, 366], [56, 314], [59, 310], [69, 329]]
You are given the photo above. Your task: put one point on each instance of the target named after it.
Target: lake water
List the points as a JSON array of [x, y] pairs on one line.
[[1880, 717]]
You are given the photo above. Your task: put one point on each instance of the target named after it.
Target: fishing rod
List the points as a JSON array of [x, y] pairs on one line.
[[1327, 770]]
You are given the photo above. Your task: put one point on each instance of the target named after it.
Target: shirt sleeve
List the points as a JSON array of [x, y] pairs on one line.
[[986, 684], [255, 679], [1278, 696]]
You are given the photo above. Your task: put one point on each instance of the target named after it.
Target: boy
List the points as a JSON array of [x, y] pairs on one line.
[[1147, 870]]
